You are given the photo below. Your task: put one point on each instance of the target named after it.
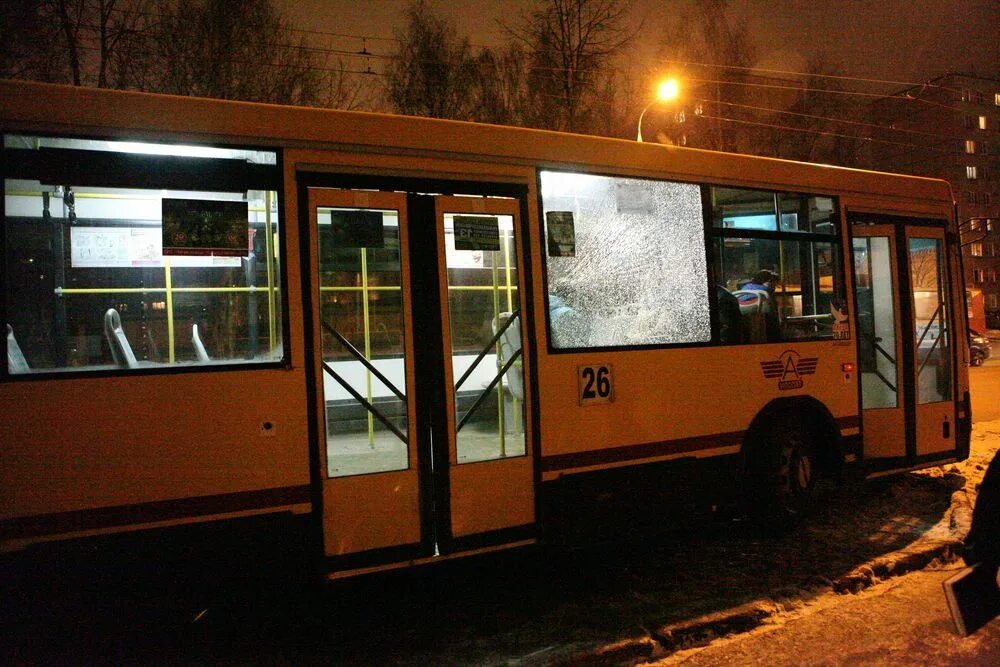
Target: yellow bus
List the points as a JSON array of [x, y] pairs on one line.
[[425, 339]]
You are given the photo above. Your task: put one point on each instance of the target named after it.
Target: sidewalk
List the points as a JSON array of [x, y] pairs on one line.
[[901, 621], [847, 609]]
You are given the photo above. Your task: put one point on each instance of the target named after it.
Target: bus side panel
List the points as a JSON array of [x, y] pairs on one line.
[[78, 444], [90, 453], [679, 402]]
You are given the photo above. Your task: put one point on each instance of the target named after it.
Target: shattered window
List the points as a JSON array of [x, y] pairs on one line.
[[625, 261]]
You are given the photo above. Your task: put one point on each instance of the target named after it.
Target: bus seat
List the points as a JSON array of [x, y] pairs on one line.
[[16, 363], [751, 300], [510, 342], [121, 351], [199, 347], [754, 307]]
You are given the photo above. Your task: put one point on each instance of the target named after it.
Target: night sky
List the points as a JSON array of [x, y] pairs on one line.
[[906, 40]]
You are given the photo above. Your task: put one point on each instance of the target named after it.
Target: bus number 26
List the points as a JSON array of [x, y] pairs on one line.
[[595, 384]]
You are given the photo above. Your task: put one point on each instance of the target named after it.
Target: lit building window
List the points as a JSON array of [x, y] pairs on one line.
[[982, 122], [977, 276], [970, 146], [991, 301], [996, 99], [976, 249], [975, 224], [971, 173]]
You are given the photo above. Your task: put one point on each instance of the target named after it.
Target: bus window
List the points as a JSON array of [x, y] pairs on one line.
[[177, 243], [785, 279], [927, 276], [625, 261]]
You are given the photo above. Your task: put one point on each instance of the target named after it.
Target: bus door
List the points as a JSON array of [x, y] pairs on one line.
[[421, 401], [905, 342]]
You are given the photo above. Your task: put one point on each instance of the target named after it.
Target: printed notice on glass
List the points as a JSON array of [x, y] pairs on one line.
[[477, 232], [357, 229], [205, 227], [129, 247], [561, 233]]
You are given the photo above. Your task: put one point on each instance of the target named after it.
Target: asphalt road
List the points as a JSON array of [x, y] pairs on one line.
[[984, 384]]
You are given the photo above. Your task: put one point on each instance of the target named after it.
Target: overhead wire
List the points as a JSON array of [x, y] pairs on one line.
[[366, 55]]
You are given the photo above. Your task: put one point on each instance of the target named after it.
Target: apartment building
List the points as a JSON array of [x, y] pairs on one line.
[[949, 128]]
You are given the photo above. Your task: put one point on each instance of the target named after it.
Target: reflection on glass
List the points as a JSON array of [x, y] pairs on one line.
[[876, 322], [930, 321], [361, 311], [482, 301]]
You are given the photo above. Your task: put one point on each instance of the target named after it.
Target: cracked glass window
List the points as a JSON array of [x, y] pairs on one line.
[[625, 261]]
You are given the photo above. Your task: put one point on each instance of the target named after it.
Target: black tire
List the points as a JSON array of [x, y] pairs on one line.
[[976, 360], [782, 473]]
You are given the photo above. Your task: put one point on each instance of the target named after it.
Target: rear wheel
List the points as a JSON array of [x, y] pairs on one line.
[[782, 473]]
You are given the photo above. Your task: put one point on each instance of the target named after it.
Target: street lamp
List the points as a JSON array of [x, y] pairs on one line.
[[667, 91]]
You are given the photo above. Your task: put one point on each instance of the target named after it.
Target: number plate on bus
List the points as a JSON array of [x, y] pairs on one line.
[[595, 384]]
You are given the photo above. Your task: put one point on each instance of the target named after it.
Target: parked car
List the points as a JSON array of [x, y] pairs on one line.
[[979, 348]]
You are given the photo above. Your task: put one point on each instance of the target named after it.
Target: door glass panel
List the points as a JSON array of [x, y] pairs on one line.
[[482, 300], [361, 311], [931, 332], [876, 322]]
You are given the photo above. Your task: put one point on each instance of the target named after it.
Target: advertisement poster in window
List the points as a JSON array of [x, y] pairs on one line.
[[561, 232], [205, 227]]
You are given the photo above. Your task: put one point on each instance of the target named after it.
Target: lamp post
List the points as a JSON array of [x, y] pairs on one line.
[[667, 91]]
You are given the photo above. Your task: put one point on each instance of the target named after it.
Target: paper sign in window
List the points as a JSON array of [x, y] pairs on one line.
[[477, 232], [357, 229]]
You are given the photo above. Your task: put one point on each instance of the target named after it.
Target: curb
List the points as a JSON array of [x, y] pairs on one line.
[[701, 631]]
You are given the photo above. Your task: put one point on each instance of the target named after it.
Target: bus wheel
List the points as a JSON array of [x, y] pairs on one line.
[[782, 475]]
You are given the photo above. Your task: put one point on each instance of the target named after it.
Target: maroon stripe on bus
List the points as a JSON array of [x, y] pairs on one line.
[[644, 451], [163, 510], [849, 422]]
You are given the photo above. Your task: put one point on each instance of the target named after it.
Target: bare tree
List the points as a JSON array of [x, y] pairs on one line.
[[31, 42], [501, 82], [83, 42], [234, 49], [712, 52], [570, 45], [432, 72], [811, 128]]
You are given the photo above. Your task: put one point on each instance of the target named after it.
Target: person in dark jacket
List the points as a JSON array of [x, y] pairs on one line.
[[982, 545]]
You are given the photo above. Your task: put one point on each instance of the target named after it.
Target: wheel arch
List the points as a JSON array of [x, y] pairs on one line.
[[816, 416]]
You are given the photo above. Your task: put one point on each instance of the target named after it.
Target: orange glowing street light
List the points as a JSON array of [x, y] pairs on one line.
[[667, 90]]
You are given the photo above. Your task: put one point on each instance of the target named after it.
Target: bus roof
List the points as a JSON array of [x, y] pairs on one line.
[[39, 107]]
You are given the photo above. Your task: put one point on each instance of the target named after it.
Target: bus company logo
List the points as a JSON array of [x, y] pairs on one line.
[[789, 368]]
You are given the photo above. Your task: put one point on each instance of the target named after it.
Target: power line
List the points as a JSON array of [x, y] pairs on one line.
[[829, 118], [841, 77], [825, 133]]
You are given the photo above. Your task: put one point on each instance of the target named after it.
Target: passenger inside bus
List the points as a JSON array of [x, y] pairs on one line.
[[731, 328]]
